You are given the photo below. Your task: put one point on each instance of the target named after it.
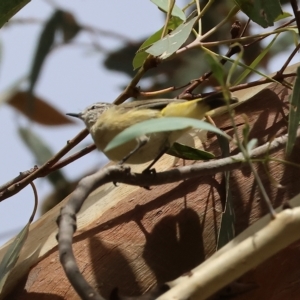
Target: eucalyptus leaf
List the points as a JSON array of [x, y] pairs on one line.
[[263, 13], [189, 153], [160, 125], [173, 41], [141, 55]]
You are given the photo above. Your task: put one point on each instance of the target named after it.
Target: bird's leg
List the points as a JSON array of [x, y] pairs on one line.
[[141, 141], [162, 152]]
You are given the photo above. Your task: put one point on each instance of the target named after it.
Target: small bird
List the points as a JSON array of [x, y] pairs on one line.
[[104, 121]]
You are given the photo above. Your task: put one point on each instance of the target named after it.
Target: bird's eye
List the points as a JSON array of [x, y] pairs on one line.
[[93, 107]]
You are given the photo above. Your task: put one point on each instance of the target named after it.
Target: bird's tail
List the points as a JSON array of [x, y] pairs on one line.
[[196, 108], [217, 100]]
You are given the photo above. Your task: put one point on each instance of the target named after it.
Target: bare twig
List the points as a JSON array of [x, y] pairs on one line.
[[282, 69], [71, 158], [21, 176], [43, 170]]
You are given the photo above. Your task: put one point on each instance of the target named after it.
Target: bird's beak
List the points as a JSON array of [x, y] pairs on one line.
[[74, 115]]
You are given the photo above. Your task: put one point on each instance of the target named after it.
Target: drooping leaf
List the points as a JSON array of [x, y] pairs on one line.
[[39, 149], [173, 41], [163, 5], [160, 125], [42, 112], [294, 116], [45, 43], [12, 254], [189, 153], [60, 20], [42, 153], [263, 13]]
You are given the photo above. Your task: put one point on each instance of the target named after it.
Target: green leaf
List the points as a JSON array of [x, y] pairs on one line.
[[160, 125], [139, 59], [173, 41], [59, 21], [141, 55], [12, 254], [172, 25], [151, 40], [189, 153], [294, 116], [263, 13], [43, 48], [164, 5]]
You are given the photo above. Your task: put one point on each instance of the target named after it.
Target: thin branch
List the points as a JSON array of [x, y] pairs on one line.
[[43, 170], [282, 69], [196, 43], [21, 176], [70, 159]]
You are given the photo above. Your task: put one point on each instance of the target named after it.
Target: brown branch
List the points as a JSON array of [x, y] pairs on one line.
[[70, 159], [18, 185], [67, 219], [288, 60], [21, 176]]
